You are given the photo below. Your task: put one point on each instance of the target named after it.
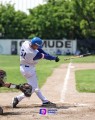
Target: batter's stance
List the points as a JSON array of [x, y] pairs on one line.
[[30, 53]]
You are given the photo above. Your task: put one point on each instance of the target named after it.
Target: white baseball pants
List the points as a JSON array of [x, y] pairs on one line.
[[29, 73]]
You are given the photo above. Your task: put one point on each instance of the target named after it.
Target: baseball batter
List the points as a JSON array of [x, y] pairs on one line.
[[30, 53]]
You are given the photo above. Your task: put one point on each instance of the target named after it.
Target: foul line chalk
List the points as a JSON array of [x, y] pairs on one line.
[[65, 83]]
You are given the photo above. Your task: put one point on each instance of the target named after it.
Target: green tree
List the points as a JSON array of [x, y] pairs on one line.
[[85, 14], [14, 23], [1, 31], [6, 17], [52, 21], [57, 19], [20, 25]]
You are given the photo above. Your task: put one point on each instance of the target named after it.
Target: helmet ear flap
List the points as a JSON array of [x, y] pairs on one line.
[[41, 45]]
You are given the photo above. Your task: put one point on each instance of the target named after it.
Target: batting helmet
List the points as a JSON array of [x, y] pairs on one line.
[[37, 41]]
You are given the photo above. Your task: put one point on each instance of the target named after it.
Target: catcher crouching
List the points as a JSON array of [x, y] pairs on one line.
[[25, 88]]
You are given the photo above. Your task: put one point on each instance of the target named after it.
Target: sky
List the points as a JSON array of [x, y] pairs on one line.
[[23, 5]]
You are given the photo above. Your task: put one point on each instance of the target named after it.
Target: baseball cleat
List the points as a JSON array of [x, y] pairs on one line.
[[15, 102], [48, 104]]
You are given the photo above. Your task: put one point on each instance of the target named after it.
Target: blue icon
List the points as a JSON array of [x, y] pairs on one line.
[[42, 111]]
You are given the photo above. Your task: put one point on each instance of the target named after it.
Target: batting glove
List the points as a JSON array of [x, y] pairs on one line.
[[57, 59]]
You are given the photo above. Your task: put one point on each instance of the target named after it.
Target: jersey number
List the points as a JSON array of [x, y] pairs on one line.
[[23, 53]]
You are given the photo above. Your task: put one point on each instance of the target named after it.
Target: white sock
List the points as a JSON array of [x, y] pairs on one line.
[[40, 95], [20, 97]]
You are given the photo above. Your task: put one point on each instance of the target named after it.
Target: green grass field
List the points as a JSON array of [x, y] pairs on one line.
[[85, 80], [10, 64]]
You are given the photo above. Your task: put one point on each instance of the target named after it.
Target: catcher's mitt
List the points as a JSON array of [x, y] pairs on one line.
[[2, 77], [26, 89]]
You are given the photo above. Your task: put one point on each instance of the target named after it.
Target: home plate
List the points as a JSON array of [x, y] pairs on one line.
[[81, 105]]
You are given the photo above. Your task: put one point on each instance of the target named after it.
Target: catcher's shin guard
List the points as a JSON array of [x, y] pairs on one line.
[[15, 102]]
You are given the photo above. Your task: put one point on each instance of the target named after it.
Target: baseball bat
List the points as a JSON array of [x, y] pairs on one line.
[[79, 56]]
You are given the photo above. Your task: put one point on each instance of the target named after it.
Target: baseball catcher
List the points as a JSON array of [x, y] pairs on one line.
[[25, 88]]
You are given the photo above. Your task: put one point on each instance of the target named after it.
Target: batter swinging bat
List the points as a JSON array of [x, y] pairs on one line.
[[79, 56]]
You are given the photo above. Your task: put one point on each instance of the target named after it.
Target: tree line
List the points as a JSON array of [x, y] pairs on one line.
[[58, 19]]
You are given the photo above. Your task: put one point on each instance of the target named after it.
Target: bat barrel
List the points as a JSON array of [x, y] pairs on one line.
[[84, 55]]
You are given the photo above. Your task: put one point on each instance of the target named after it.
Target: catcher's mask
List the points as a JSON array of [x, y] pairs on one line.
[[3, 75]]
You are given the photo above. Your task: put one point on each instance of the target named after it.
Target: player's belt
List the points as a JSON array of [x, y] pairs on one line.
[[25, 65]]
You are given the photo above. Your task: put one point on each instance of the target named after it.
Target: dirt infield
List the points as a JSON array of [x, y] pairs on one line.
[[70, 105]]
